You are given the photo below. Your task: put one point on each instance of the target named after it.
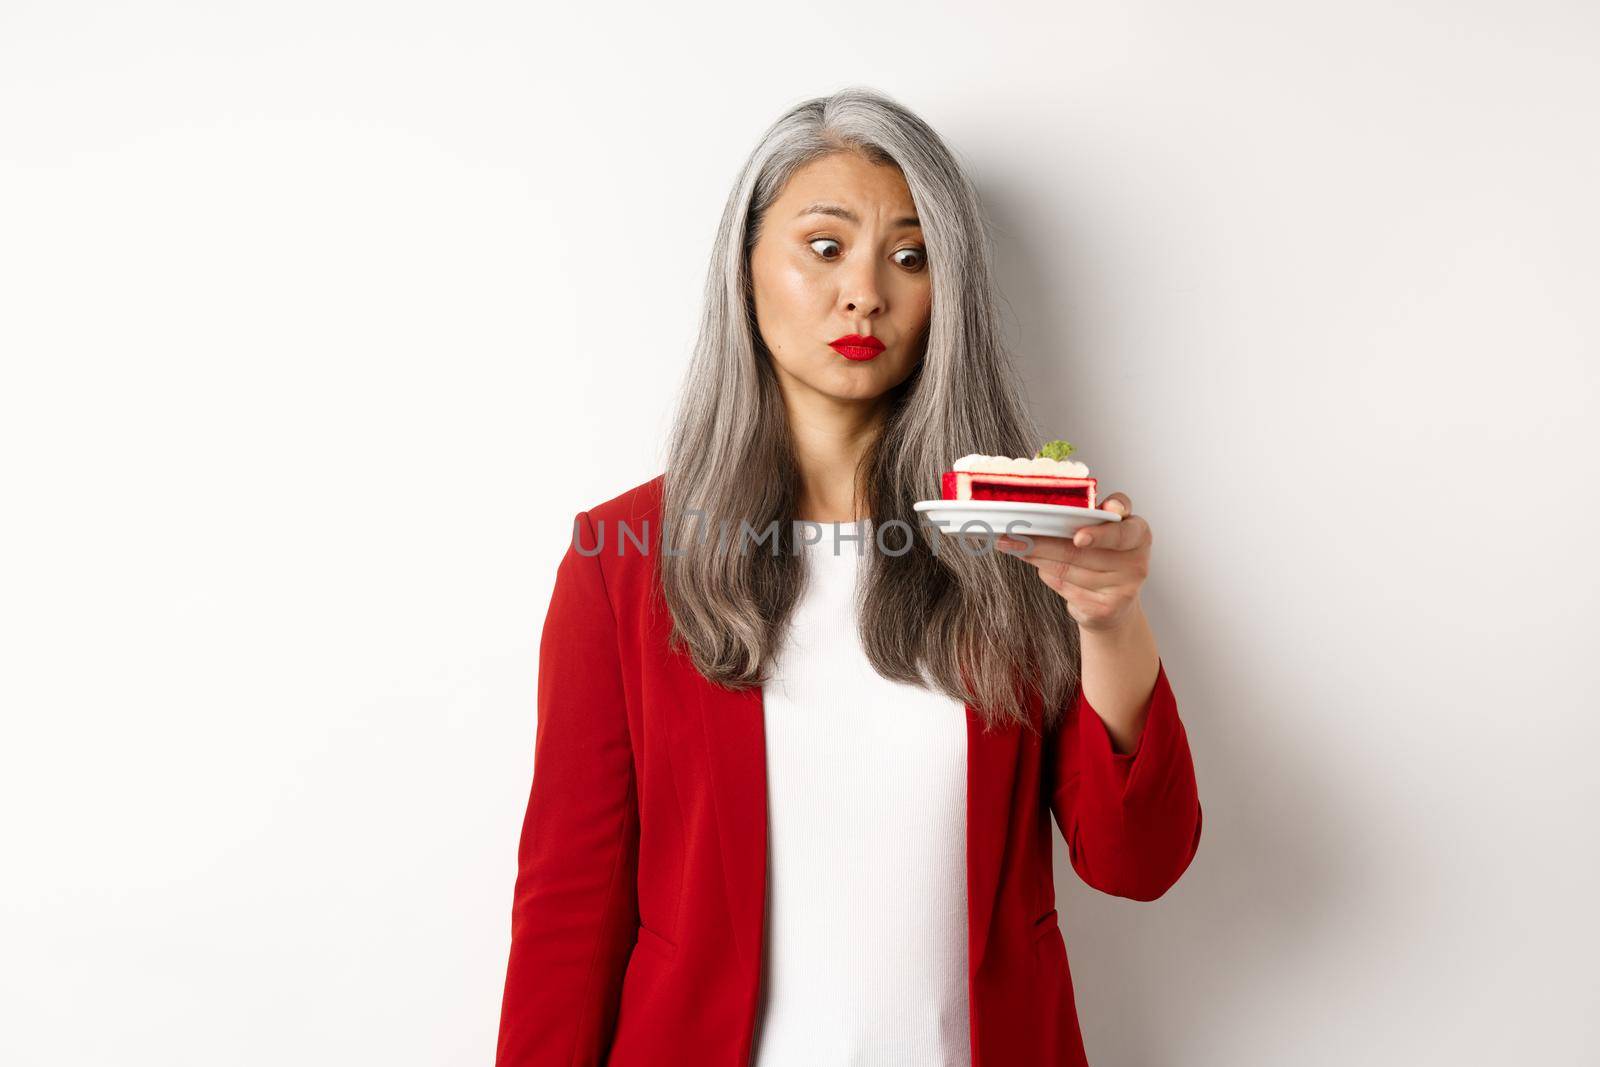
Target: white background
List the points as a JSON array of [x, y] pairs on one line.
[[321, 320]]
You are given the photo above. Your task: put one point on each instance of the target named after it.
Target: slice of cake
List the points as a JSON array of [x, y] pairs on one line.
[[1047, 478]]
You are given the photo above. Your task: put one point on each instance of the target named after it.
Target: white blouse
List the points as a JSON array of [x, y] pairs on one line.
[[865, 958]]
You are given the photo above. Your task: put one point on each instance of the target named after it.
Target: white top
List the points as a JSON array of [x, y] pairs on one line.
[[865, 958]]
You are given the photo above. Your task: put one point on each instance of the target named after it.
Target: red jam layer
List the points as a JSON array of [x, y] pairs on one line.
[[1028, 488]]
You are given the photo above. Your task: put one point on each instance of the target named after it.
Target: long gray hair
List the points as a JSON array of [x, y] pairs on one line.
[[977, 626]]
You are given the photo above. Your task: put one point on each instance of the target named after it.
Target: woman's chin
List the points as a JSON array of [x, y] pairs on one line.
[[859, 384]]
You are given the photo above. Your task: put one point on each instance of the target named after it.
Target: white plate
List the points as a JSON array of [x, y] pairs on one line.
[[983, 517]]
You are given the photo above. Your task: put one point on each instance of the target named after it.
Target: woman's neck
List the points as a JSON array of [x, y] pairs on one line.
[[829, 444]]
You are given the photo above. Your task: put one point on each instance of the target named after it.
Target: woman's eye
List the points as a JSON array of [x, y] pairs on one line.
[[821, 241], [919, 258]]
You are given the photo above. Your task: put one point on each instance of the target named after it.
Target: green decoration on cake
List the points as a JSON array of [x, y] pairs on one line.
[[1055, 450]]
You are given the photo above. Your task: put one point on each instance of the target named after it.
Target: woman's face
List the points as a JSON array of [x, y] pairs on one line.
[[819, 275]]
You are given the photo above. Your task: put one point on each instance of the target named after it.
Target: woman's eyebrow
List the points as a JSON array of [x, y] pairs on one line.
[[850, 216]]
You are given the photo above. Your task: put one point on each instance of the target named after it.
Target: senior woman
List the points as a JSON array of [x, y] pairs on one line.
[[792, 794]]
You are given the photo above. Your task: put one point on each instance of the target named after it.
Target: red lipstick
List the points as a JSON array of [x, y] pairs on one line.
[[855, 346]]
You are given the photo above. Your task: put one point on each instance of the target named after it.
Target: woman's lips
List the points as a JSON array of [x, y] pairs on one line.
[[856, 347]]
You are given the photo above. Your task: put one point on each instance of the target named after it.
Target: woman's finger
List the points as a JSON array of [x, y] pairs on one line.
[[1081, 595], [1131, 532], [1062, 550], [1121, 503], [1074, 574]]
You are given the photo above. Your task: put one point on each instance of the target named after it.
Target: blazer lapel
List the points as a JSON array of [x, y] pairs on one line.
[[991, 774], [736, 752]]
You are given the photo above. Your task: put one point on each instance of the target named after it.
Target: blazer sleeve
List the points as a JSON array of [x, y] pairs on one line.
[[574, 911], [1131, 820]]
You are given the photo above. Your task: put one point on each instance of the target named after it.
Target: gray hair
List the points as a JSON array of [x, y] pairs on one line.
[[978, 627]]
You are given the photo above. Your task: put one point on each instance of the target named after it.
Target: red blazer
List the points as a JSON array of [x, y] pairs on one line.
[[637, 917]]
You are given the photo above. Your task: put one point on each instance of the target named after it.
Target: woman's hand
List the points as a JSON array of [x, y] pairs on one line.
[[1099, 570]]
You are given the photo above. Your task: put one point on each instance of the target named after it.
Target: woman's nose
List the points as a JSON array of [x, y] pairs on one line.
[[861, 292]]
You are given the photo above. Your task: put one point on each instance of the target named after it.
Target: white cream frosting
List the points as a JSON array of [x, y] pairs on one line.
[[977, 462]]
